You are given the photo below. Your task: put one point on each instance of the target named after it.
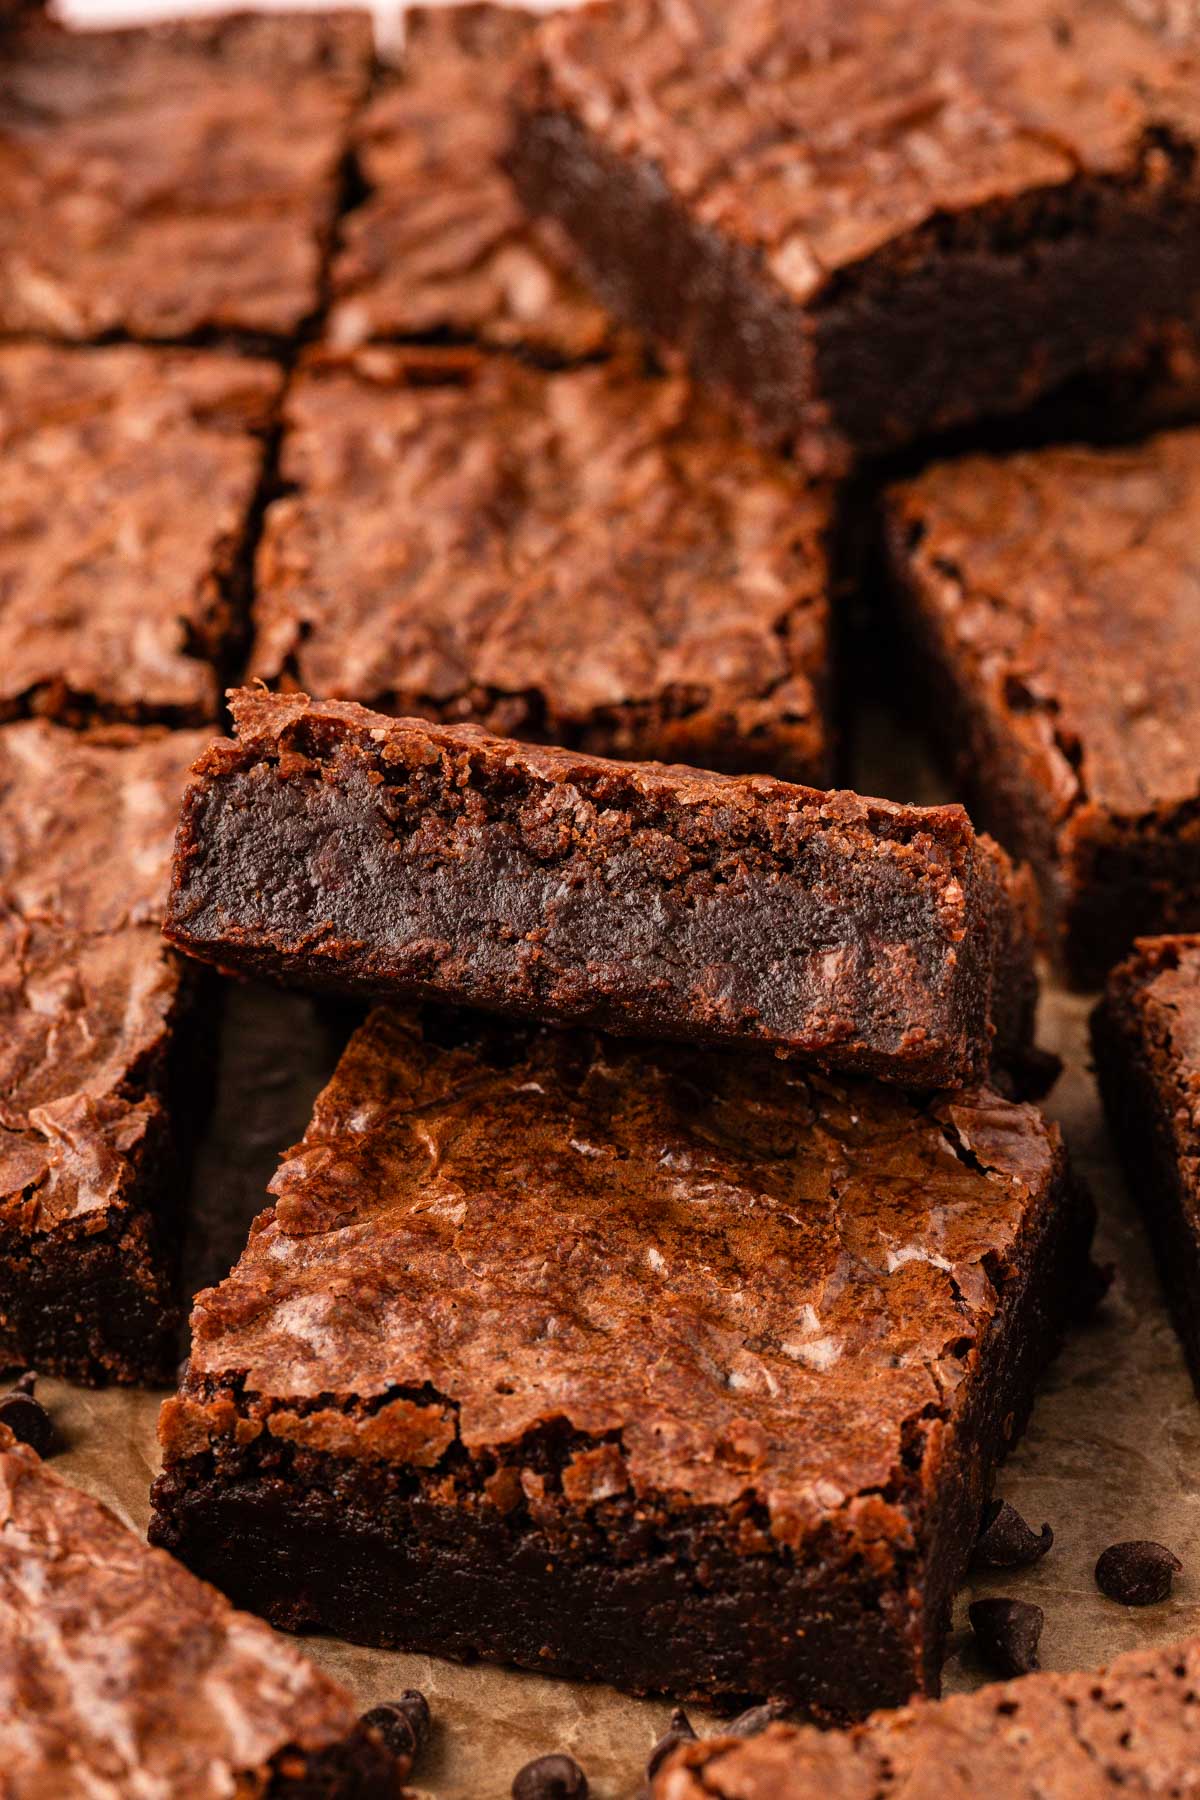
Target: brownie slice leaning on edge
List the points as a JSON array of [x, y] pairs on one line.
[[441, 249], [1127, 1729], [1146, 1038], [121, 1674], [680, 1371], [174, 181], [332, 848], [97, 1073], [1052, 599], [871, 220], [592, 558]]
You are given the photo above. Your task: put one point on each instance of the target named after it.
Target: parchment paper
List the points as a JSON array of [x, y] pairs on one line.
[[1112, 1451]]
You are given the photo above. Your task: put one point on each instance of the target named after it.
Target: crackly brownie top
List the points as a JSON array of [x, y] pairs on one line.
[[440, 247], [122, 1674], [718, 1278], [587, 553], [1128, 1729], [176, 178], [819, 133], [1067, 583], [1156, 992], [126, 481], [87, 821]]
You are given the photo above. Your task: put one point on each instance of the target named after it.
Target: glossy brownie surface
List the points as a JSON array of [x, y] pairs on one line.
[[632, 1313], [146, 1680], [127, 482], [174, 180], [591, 558], [1055, 595], [440, 248], [331, 847], [1124, 1729]]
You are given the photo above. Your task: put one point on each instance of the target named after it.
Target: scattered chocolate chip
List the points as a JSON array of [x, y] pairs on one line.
[[27, 1418], [403, 1724], [1139, 1573], [1008, 1633], [757, 1718], [1006, 1541], [556, 1777], [679, 1731]]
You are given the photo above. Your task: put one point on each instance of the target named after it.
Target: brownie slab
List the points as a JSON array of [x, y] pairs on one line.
[[1126, 1729], [870, 221], [332, 848], [128, 482], [441, 249], [120, 1673], [176, 180], [97, 1016], [1146, 1039], [1052, 600], [590, 558], [660, 1368]]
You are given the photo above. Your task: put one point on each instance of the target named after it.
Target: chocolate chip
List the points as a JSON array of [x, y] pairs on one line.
[[1007, 1633], [1006, 1541], [403, 1724], [756, 1719], [679, 1731], [27, 1418], [554, 1777], [1139, 1573]]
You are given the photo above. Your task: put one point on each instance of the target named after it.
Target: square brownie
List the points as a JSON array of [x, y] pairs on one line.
[[128, 485], [1146, 1039], [440, 248], [870, 221], [175, 181], [121, 1674], [1052, 601], [331, 848], [590, 557], [98, 1018], [1126, 1729], [666, 1369]]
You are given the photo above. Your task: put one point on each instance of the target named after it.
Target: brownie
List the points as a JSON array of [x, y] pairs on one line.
[[97, 1016], [872, 221], [1146, 1039], [440, 249], [332, 848], [1052, 603], [663, 1368], [174, 181], [120, 1673], [1128, 1729], [590, 557], [128, 484]]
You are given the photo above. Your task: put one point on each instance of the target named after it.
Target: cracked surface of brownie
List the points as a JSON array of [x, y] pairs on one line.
[[93, 1088], [147, 1682], [1125, 1729], [174, 181], [871, 222], [333, 848], [128, 483], [441, 248], [684, 1372], [591, 558], [1053, 599]]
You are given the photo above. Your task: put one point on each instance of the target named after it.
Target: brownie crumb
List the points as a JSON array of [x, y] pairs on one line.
[[679, 1731], [27, 1418], [1007, 1542], [403, 1724], [555, 1777], [1137, 1573], [1008, 1633], [756, 1718]]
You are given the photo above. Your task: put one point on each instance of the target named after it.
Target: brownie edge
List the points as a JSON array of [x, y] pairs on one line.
[[334, 848]]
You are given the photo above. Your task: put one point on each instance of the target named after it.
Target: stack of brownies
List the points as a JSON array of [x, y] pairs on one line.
[[673, 1256]]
